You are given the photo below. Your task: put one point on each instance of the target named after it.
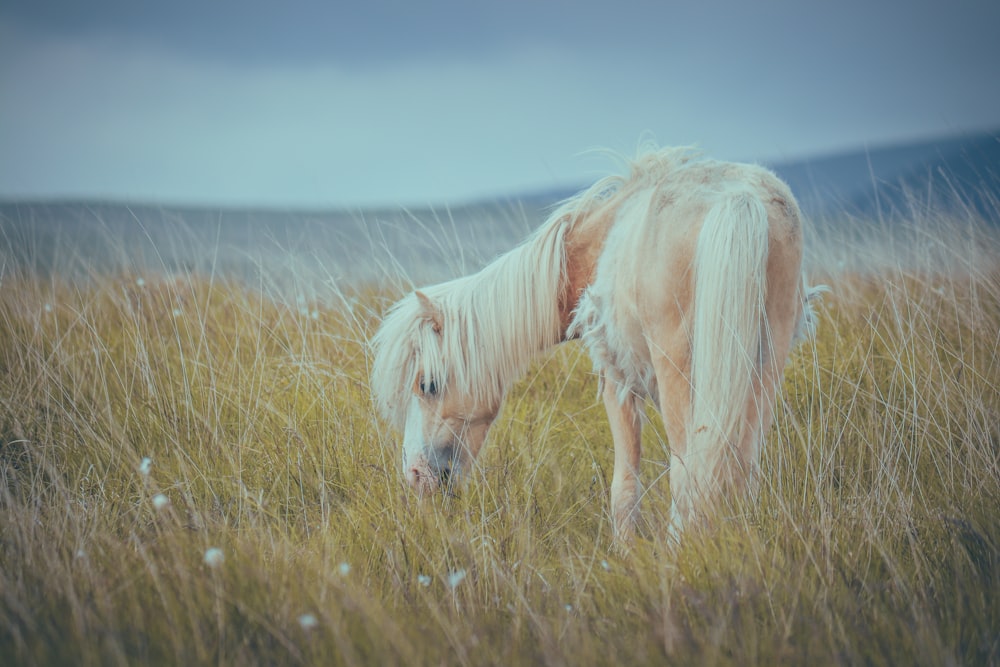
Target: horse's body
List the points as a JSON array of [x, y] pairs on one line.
[[682, 280]]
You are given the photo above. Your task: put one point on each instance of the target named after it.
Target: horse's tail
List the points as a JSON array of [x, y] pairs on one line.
[[730, 264]]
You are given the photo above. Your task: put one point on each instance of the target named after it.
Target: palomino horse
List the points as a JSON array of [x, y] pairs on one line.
[[683, 281]]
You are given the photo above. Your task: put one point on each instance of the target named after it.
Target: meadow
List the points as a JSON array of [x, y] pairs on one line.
[[192, 472]]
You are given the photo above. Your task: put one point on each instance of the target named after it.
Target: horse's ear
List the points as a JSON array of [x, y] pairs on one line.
[[430, 311]]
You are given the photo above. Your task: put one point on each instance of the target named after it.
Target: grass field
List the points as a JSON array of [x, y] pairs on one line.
[[191, 472]]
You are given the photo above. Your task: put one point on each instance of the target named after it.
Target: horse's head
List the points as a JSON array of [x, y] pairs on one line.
[[422, 386]]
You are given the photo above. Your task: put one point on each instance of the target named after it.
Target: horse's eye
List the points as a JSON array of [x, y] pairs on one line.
[[428, 388]]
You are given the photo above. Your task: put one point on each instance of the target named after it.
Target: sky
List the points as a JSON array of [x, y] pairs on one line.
[[301, 104]]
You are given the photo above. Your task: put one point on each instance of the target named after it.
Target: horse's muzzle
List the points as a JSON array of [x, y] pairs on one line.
[[425, 478]]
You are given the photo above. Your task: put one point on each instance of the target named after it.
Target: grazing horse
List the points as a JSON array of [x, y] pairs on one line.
[[682, 279]]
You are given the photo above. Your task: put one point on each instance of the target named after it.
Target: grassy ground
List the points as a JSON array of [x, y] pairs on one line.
[[191, 472]]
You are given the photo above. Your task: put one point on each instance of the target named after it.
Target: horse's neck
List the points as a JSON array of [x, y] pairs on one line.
[[521, 305], [509, 312], [584, 242]]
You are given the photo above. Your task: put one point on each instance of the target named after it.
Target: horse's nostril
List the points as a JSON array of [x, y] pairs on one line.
[[421, 479]]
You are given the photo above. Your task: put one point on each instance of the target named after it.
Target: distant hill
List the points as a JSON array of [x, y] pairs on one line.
[[884, 182], [889, 182]]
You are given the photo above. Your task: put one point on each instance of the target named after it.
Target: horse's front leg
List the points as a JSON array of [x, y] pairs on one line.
[[626, 429]]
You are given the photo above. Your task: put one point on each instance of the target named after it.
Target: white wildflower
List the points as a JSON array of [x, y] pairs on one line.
[[145, 465], [177, 312], [308, 621], [314, 314], [160, 501], [214, 557], [455, 578], [605, 566], [140, 281], [344, 569], [569, 607], [48, 307], [423, 580]]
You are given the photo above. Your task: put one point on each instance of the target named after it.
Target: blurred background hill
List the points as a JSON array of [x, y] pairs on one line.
[[958, 176]]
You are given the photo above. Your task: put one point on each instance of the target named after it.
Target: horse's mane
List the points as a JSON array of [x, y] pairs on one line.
[[494, 322]]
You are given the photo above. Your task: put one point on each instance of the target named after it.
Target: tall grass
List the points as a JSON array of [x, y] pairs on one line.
[[147, 417]]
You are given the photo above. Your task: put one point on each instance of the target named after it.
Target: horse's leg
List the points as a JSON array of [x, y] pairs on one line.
[[674, 400], [626, 429], [701, 479], [744, 477], [783, 311]]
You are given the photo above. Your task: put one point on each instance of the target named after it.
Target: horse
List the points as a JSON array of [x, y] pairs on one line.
[[683, 280]]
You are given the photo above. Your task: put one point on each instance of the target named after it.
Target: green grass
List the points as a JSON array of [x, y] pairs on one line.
[[874, 539]]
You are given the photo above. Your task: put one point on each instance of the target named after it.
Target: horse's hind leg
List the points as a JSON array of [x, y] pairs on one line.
[[700, 480], [674, 400], [626, 429]]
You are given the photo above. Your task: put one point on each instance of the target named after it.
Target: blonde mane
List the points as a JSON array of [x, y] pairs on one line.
[[493, 323]]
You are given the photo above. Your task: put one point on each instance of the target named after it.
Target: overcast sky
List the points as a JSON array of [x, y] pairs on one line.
[[306, 104]]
